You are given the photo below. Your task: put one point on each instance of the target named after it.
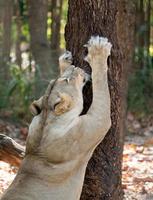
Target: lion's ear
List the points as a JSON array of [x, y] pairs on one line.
[[36, 106], [64, 104]]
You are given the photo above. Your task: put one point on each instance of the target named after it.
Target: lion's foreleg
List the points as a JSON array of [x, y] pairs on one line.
[[99, 112], [65, 61]]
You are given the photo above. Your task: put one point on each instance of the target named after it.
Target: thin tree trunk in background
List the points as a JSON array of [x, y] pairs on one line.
[[18, 38], [143, 31], [126, 21], [6, 17], [39, 43], [148, 24], [2, 69], [141, 25], [86, 18], [56, 11]]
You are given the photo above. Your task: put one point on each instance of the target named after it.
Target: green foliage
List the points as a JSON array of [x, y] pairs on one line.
[[17, 94], [140, 93], [63, 23], [25, 32]]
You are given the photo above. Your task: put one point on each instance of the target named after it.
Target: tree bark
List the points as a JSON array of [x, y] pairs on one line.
[[39, 43], [18, 38], [148, 25], [141, 33], [86, 18], [56, 10], [6, 24], [141, 24], [10, 151], [126, 39]]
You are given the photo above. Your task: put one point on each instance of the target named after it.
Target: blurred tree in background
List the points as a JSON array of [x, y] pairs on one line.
[[141, 80], [6, 14], [31, 39]]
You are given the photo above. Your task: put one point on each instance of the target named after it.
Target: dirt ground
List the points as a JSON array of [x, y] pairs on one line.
[[137, 169]]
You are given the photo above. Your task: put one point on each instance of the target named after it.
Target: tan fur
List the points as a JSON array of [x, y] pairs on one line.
[[64, 105], [60, 141]]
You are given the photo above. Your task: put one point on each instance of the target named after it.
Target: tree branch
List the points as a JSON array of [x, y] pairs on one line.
[[10, 151]]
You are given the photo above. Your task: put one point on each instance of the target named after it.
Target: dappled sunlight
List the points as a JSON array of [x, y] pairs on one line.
[[33, 34], [151, 50], [7, 174]]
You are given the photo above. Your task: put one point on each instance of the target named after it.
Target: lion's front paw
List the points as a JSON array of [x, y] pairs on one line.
[[65, 61], [98, 46]]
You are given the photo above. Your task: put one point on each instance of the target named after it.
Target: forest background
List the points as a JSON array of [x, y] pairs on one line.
[[31, 40]]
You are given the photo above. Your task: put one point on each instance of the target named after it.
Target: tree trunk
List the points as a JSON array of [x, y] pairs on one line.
[[86, 18], [10, 151], [2, 69], [18, 38], [148, 25], [141, 24], [39, 44], [6, 21], [126, 39], [56, 10]]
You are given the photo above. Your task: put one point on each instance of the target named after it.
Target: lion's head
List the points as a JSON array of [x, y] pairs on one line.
[[65, 94]]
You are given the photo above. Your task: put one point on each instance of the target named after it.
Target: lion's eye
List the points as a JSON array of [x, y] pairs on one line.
[[56, 103]]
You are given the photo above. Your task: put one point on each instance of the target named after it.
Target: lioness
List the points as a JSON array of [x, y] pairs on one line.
[[60, 141]]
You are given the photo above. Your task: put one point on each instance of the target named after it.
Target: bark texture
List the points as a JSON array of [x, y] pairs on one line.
[[10, 151], [56, 10], [19, 34], [6, 24], [148, 25], [140, 23], [86, 18], [39, 43], [126, 39]]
